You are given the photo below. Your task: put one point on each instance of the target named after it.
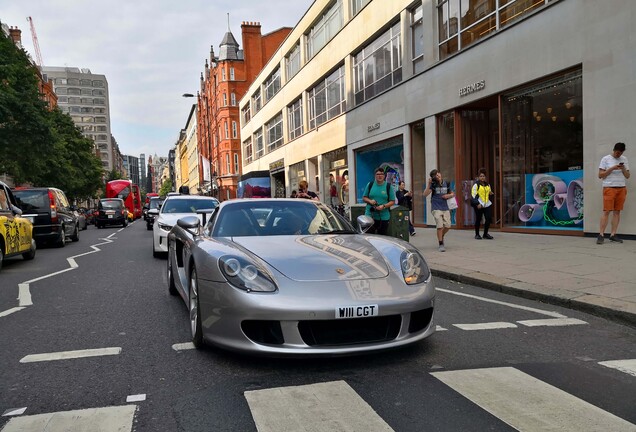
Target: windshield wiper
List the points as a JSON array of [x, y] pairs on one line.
[[342, 231]]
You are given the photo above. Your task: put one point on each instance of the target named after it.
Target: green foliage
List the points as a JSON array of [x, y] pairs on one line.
[[114, 175], [166, 187], [40, 146]]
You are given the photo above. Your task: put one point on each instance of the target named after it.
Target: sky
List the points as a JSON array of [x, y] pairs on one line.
[[151, 52]]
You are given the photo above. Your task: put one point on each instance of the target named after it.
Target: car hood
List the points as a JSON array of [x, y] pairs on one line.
[[319, 257], [172, 218]]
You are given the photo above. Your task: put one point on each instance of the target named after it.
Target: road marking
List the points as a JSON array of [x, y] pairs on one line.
[[183, 346], [512, 305], [440, 328], [65, 355], [627, 366], [14, 412], [485, 326], [108, 419], [528, 404], [325, 406], [10, 311], [555, 322], [136, 398], [24, 294]]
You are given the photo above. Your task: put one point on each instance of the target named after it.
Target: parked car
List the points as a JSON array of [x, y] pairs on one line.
[[16, 232], [154, 203], [293, 277], [111, 211], [81, 217], [51, 214], [174, 207]]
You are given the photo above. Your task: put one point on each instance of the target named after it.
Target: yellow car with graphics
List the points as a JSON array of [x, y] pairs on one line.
[[16, 232]]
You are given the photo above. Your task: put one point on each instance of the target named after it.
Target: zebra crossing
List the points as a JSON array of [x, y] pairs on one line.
[[515, 398]]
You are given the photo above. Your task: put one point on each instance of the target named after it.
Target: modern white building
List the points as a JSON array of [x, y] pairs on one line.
[[535, 91], [84, 96]]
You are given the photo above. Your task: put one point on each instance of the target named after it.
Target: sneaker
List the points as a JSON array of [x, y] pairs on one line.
[[413, 234], [615, 239], [488, 236], [600, 239], [441, 248], [477, 237]]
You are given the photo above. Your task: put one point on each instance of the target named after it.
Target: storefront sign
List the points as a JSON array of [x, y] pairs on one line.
[[472, 88], [277, 166], [338, 163], [373, 127]]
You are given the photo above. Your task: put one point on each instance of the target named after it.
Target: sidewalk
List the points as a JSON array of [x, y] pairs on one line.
[[573, 272]]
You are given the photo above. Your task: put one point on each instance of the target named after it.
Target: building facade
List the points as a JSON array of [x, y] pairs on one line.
[[223, 82], [84, 96], [131, 165], [526, 89]]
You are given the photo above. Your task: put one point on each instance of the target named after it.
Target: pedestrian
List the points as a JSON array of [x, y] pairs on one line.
[[613, 170], [294, 194], [304, 192], [481, 203], [405, 199], [379, 196], [440, 191], [333, 192]]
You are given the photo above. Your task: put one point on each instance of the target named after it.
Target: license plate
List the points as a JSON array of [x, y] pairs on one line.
[[357, 311], [110, 216], [29, 218]]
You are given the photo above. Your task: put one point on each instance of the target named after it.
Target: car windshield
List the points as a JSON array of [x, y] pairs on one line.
[[273, 218], [111, 205], [188, 205], [155, 203], [31, 201]]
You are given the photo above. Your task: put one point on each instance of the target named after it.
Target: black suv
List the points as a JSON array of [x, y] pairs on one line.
[[155, 203], [52, 216], [111, 211]]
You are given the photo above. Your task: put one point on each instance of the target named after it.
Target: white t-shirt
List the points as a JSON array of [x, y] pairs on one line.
[[616, 177]]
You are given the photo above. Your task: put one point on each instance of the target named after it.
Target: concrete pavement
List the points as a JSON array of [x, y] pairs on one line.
[[573, 272]]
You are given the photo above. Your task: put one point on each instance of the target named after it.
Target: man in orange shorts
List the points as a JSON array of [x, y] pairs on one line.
[[613, 170]]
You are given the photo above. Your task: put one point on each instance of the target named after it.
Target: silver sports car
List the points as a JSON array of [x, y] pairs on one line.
[[293, 277]]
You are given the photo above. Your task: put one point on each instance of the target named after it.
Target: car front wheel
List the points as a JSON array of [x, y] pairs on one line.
[[75, 236], [172, 288], [31, 252], [195, 311], [61, 242]]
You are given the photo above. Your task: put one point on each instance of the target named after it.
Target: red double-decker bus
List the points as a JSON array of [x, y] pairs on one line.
[[129, 192]]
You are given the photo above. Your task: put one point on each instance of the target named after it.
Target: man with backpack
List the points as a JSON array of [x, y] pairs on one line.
[[379, 196]]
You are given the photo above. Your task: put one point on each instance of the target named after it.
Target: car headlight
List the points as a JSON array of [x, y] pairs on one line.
[[414, 267], [164, 226], [245, 274]]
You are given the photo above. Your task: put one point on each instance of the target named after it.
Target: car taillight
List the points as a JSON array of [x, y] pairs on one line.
[[53, 207]]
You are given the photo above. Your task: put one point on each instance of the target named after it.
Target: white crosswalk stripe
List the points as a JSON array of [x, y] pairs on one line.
[[109, 419], [627, 366], [528, 404]]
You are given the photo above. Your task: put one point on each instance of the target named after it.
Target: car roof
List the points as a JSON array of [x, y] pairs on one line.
[[189, 197]]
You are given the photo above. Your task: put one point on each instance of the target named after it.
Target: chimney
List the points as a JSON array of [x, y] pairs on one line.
[[15, 34]]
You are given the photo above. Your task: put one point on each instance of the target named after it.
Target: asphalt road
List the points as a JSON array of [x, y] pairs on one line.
[[497, 363]]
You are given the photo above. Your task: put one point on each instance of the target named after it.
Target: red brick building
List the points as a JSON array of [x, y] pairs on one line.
[[223, 83]]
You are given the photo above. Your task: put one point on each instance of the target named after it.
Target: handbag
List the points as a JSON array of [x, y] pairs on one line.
[[452, 203]]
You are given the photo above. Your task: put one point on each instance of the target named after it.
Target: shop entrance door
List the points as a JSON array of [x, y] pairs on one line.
[[477, 144]]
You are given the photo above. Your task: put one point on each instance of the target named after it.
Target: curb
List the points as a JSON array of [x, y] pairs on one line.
[[497, 284]]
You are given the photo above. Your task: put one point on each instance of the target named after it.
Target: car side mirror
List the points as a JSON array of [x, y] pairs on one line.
[[364, 223], [191, 224], [16, 210]]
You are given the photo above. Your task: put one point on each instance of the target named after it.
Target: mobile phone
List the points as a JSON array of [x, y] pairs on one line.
[[622, 163]]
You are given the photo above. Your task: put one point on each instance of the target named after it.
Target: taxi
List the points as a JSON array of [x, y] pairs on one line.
[[16, 232]]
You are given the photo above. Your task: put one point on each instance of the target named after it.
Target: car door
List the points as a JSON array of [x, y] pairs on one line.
[[15, 230]]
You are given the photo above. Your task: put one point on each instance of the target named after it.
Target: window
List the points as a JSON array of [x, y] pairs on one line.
[[378, 66], [227, 164], [325, 29], [62, 99], [61, 81], [227, 131], [87, 110], [86, 82], [295, 119], [247, 150], [98, 92], [87, 101], [292, 62], [222, 74], [356, 5], [99, 110], [236, 163], [100, 119], [61, 91], [246, 113], [89, 119], [256, 101], [274, 129], [231, 74], [272, 84], [98, 83], [73, 91], [234, 130], [99, 101], [100, 128], [327, 99], [258, 143], [74, 100], [233, 99], [75, 109], [73, 81], [87, 92], [463, 22], [224, 99], [417, 35]]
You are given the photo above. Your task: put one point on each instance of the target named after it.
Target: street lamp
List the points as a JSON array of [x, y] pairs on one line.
[[208, 133]]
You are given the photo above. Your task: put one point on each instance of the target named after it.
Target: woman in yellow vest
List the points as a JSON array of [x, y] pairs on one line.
[[482, 204]]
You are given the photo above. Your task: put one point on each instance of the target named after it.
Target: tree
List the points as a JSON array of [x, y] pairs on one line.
[[24, 131], [166, 187], [114, 175]]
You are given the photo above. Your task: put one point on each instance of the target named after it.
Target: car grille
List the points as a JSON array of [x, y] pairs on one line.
[[350, 331], [420, 320]]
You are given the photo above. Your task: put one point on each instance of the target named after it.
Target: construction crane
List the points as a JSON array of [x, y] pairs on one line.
[[36, 45]]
